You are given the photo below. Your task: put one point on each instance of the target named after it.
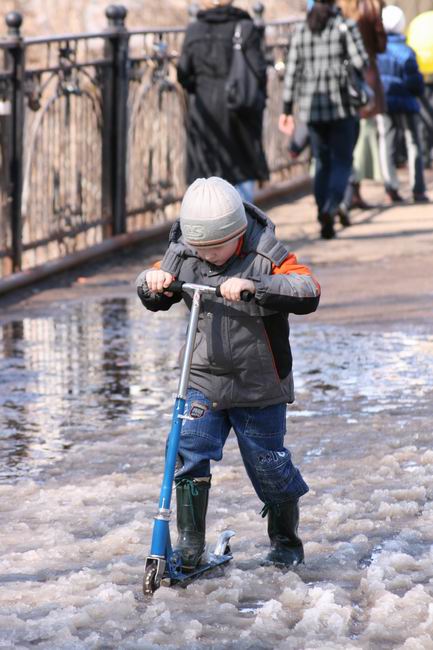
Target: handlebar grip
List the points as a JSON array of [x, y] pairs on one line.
[[246, 296], [175, 286]]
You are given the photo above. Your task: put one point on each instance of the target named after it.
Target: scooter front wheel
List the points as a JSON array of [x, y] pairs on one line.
[[150, 581]]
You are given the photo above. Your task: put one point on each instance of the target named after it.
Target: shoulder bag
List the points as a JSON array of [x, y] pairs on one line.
[[242, 86], [359, 92]]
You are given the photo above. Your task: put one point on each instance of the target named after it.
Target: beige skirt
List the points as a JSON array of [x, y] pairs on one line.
[[366, 162]]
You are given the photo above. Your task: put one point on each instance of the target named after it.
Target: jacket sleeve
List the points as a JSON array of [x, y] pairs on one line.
[[185, 67], [290, 288], [355, 46], [413, 79], [154, 301], [293, 66]]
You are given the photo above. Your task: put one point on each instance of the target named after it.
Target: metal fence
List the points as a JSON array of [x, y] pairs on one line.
[[92, 138]]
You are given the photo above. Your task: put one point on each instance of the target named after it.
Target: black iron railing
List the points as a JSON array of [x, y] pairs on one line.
[[92, 136]]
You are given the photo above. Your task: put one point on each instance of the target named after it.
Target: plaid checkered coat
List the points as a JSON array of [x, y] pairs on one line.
[[315, 79]]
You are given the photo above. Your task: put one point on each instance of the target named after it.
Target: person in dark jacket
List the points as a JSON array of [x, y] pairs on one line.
[[241, 373], [221, 142], [403, 83]]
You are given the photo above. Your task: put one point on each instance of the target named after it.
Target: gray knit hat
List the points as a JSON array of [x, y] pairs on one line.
[[212, 213]]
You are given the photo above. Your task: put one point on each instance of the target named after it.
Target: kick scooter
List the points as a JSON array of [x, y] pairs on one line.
[[163, 564]]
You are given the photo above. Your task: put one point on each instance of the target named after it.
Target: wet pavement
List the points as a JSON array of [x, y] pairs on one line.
[[88, 378]]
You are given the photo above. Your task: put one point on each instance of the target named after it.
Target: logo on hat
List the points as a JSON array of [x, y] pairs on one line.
[[195, 232]]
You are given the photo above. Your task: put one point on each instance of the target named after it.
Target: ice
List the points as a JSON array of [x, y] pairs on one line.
[[85, 412]]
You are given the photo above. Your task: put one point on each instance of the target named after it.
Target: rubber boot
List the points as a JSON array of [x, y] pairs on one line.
[[192, 495], [283, 520]]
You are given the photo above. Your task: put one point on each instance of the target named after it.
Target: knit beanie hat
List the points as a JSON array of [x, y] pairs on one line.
[[212, 213], [393, 19]]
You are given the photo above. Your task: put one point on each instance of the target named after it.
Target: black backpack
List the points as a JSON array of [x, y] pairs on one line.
[[243, 92]]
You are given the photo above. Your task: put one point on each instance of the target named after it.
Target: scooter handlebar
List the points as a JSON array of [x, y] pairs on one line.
[[246, 296], [177, 287]]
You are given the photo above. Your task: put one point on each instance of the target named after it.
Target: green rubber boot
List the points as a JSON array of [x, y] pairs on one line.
[[283, 521], [192, 495]]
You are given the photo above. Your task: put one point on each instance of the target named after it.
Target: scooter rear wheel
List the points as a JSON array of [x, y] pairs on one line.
[[150, 583]]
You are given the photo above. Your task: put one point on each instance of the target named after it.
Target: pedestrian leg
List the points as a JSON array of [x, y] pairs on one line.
[[387, 127], [414, 152], [246, 190], [342, 139], [322, 161]]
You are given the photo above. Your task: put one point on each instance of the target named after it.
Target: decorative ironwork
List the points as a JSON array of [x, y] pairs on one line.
[[92, 138]]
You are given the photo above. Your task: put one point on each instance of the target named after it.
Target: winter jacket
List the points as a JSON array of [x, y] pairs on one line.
[[400, 76], [316, 78], [242, 353], [220, 142]]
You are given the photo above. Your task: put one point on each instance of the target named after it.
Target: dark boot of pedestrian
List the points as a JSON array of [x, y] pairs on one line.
[[192, 497], [327, 230], [420, 197], [393, 195], [283, 520], [357, 200], [343, 214]]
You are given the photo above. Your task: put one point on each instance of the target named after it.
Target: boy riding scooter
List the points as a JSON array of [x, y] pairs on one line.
[[241, 371]]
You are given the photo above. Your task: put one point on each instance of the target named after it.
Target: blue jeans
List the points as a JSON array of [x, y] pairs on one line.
[[332, 144], [246, 190], [260, 434]]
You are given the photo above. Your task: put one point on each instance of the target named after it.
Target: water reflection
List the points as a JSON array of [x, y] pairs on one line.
[[116, 361], [94, 371], [77, 376]]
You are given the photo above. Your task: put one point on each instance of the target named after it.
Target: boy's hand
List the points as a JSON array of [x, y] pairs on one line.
[[232, 288], [158, 280]]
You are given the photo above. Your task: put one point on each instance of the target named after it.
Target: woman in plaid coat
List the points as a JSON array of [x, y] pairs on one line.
[[316, 82]]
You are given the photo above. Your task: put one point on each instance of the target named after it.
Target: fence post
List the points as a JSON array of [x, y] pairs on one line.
[[115, 115], [15, 62]]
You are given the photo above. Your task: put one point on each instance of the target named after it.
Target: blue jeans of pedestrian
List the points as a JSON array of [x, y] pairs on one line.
[[260, 434], [246, 190], [332, 145]]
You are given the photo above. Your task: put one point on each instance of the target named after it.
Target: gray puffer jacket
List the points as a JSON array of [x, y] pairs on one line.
[[242, 353]]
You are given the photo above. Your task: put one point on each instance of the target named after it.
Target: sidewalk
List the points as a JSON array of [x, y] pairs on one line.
[[380, 269]]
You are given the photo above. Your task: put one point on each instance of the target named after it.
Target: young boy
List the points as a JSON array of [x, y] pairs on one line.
[[403, 83], [241, 374]]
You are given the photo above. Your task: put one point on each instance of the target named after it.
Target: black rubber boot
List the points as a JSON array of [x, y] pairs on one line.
[[326, 221], [283, 520], [191, 498]]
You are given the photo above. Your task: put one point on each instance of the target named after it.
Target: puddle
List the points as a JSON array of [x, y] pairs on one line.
[[92, 369]]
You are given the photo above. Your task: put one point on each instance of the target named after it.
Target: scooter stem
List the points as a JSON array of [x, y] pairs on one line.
[[189, 346]]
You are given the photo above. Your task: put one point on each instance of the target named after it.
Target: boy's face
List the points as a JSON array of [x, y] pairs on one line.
[[217, 255]]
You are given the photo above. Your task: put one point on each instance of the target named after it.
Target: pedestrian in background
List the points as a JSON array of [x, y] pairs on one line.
[[366, 161], [316, 81], [221, 142], [403, 83]]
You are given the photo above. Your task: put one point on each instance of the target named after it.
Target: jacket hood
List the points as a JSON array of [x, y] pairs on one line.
[[223, 14], [260, 236]]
